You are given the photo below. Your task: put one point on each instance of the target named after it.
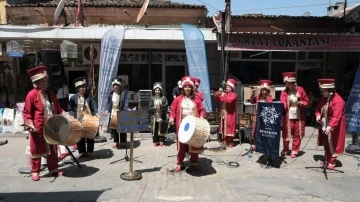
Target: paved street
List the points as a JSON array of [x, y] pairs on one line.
[[99, 178]]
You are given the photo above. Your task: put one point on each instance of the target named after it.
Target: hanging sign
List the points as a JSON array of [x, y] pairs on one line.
[[14, 49]]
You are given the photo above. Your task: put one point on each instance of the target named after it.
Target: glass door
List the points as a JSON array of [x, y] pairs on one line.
[[172, 75]]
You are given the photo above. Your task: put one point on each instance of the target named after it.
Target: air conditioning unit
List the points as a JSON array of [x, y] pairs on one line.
[[86, 53]]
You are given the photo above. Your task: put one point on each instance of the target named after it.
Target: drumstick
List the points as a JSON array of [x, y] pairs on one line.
[[27, 126]]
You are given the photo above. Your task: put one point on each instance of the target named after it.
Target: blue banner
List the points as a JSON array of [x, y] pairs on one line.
[[268, 127], [197, 61], [111, 45], [352, 110]]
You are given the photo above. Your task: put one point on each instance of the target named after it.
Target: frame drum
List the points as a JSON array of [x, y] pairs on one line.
[[60, 130], [90, 126], [194, 131]]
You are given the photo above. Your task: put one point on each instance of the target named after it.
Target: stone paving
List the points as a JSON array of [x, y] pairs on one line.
[[99, 178]]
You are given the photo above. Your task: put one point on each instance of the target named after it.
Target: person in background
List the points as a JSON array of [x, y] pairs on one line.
[[227, 101], [117, 101], [40, 104], [63, 96], [158, 108], [199, 94], [331, 116], [177, 90], [184, 105], [294, 99], [263, 96], [83, 103]]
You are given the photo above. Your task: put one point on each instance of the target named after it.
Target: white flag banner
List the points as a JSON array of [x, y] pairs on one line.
[[111, 45]]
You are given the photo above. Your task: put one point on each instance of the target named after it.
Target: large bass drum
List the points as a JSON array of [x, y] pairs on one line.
[[194, 131], [90, 126], [59, 130]]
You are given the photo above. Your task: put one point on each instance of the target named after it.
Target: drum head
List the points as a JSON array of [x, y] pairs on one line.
[[187, 129], [57, 129]]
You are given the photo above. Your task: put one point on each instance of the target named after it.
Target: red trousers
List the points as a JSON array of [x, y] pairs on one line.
[[328, 157], [52, 162], [182, 149], [296, 140], [229, 139]]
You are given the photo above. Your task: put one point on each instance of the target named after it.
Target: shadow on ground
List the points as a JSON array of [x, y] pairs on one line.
[[75, 196]]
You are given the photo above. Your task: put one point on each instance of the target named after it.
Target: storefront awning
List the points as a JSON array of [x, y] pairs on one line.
[[281, 41], [93, 33]]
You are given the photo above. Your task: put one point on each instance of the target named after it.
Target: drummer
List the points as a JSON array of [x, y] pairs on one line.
[[40, 104], [83, 103], [117, 101], [186, 104]]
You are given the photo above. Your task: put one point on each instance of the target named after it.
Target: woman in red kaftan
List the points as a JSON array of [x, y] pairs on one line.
[[40, 104], [263, 96], [295, 100], [184, 105], [227, 126], [332, 132]]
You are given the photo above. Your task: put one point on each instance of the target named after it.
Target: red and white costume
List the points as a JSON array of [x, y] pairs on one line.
[[198, 94], [180, 108], [40, 105], [293, 125], [264, 84], [228, 111], [332, 113]]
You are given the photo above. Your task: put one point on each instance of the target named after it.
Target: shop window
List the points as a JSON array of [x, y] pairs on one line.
[[302, 55], [308, 73], [255, 55], [315, 55], [138, 75], [278, 55], [234, 54], [174, 73], [156, 74], [249, 72], [277, 68]]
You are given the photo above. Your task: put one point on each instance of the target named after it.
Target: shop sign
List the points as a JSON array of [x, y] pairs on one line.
[[14, 49], [291, 43]]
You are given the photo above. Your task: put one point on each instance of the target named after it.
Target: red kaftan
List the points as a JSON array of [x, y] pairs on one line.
[[200, 95], [228, 103], [34, 115], [298, 123], [175, 113], [336, 120]]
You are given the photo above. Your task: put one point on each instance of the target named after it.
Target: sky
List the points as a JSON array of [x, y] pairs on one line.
[[270, 7]]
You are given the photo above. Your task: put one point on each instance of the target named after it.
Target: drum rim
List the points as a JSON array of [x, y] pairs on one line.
[[59, 115]]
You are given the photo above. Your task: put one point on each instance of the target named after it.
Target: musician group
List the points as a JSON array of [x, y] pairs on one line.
[[41, 104]]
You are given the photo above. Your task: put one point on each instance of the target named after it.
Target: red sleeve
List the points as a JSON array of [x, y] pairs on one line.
[[229, 99], [173, 108], [201, 109], [202, 97], [303, 97], [337, 108], [217, 98], [269, 99], [27, 112], [283, 99]]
